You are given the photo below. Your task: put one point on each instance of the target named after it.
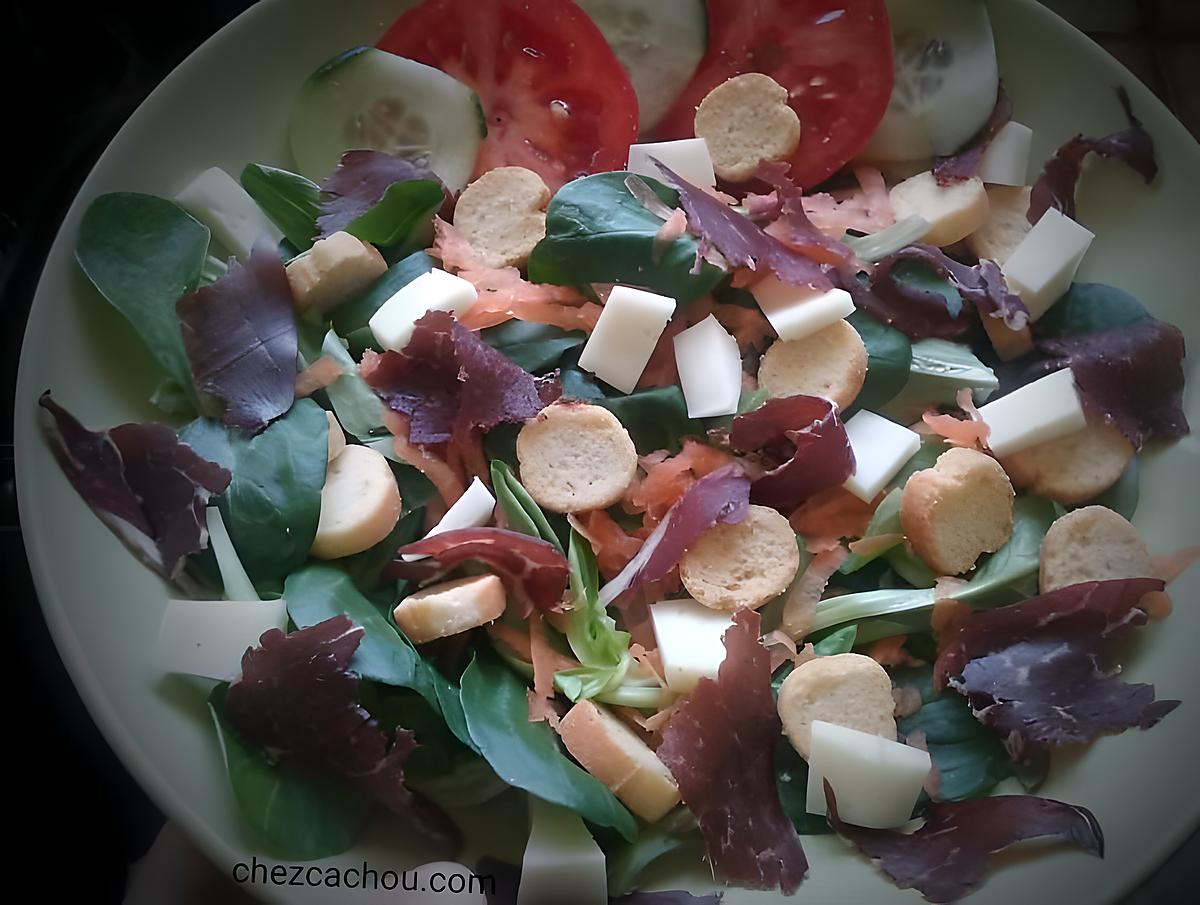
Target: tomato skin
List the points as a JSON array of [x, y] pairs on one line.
[[833, 56], [554, 96]]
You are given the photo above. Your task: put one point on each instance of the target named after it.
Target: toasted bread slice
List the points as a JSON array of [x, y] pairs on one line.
[[503, 215], [746, 121], [732, 567], [850, 690], [1075, 468], [831, 362], [1092, 544]]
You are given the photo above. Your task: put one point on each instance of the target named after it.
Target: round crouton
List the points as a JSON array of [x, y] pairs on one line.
[[733, 567], [1006, 223], [450, 607], [831, 362], [846, 689], [957, 510], [575, 457], [360, 503], [1072, 469], [503, 215], [745, 121], [953, 211], [1092, 544]]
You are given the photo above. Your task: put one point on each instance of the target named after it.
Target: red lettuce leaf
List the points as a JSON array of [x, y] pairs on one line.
[[145, 485], [448, 382], [945, 859], [806, 435], [357, 184], [921, 312], [721, 496], [1032, 671], [1055, 187], [240, 337], [719, 745], [965, 164], [741, 241], [534, 573], [298, 700], [1133, 375]]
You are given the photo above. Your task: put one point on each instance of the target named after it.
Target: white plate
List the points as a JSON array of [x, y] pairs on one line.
[[227, 105]]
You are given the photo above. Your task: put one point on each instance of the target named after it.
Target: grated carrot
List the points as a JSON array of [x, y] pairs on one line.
[[667, 479], [833, 512], [612, 546]]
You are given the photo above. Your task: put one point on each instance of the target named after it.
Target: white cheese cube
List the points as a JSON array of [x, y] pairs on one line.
[[690, 643], [710, 369], [881, 447], [687, 157], [562, 861], [208, 637], [471, 510], [217, 200], [796, 311], [876, 781], [625, 336], [392, 324], [1038, 412], [1041, 269], [1006, 160]]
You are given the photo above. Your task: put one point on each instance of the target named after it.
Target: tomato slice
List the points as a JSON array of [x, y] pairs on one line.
[[554, 96], [833, 56]]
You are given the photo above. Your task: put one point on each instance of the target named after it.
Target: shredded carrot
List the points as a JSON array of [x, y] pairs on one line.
[[971, 433], [465, 452], [668, 478], [947, 618], [1170, 566], [833, 512], [661, 369], [1157, 605], [318, 375], [866, 209], [504, 294], [542, 655], [673, 227], [815, 545], [649, 661], [612, 546], [801, 603], [891, 652], [749, 326], [450, 485]]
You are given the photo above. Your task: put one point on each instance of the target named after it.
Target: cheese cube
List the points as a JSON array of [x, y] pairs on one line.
[[1041, 269], [615, 755], [881, 447], [1006, 159], [796, 311], [392, 324], [208, 637], [687, 157], [690, 642], [562, 861], [625, 336], [217, 200], [710, 369], [471, 510], [876, 781], [333, 271], [1038, 412]]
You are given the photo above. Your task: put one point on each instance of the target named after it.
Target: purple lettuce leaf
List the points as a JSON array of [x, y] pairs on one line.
[[448, 381], [358, 183], [1055, 187], [240, 337], [145, 485], [720, 497], [298, 700], [806, 437], [739, 240], [719, 745], [965, 164], [1133, 375], [920, 310], [946, 858], [1032, 670]]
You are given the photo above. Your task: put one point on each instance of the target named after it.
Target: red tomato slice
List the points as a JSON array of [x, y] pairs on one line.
[[833, 56], [555, 98]]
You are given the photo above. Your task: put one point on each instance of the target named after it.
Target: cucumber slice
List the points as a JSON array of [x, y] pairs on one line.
[[659, 44], [368, 98], [946, 79]]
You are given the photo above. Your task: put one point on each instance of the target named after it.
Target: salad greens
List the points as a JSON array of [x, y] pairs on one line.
[[290, 201], [350, 319], [889, 358], [522, 513], [535, 347], [142, 253], [526, 754]]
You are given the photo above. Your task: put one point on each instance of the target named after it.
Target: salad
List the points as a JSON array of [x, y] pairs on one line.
[[683, 416]]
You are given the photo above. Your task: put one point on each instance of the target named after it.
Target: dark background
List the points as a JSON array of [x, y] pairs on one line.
[[74, 74]]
